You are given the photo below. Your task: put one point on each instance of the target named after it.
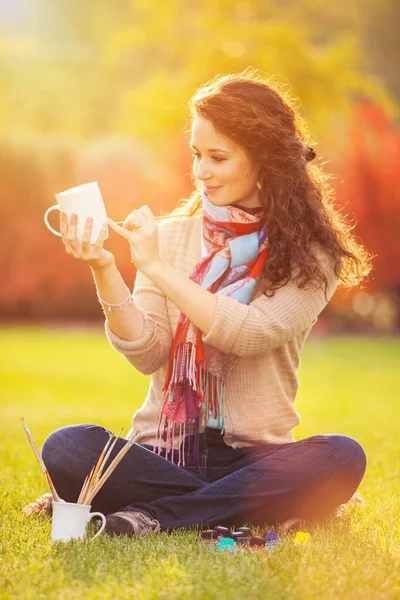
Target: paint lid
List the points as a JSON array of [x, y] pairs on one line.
[[237, 534], [223, 531], [209, 534], [246, 531]]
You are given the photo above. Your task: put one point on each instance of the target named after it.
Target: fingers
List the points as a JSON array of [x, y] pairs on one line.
[[87, 232], [71, 235], [101, 238], [63, 225], [136, 216], [82, 249], [68, 231], [118, 229], [64, 231]]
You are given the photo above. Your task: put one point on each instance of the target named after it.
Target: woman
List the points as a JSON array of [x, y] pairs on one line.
[[227, 290]]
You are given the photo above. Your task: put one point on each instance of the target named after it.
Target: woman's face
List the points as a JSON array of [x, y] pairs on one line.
[[226, 171]]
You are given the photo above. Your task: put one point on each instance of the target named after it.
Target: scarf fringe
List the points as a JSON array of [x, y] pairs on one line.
[[195, 387], [188, 375]]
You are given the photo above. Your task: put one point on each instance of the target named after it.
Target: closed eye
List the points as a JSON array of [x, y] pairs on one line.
[[217, 159]]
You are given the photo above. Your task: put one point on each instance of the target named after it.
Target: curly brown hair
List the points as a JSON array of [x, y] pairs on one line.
[[297, 197]]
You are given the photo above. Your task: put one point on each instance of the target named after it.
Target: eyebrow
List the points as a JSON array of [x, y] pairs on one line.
[[211, 149]]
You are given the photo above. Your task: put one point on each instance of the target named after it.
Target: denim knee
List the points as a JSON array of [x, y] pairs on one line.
[[53, 446], [58, 447], [349, 452]]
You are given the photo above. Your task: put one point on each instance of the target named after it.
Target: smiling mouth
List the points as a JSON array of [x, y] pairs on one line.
[[212, 189]]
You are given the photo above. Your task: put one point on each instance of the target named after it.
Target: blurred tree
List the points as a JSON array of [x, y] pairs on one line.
[[188, 43], [369, 187], [89, 70], [374, 23], [38, 280]]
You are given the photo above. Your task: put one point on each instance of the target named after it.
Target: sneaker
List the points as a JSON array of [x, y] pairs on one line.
[[132, 522]]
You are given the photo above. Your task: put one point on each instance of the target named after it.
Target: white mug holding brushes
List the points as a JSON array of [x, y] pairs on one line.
[[70, 519]]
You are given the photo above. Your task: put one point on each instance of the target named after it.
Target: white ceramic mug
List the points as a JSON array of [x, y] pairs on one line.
[[84, 201], [70, 521]]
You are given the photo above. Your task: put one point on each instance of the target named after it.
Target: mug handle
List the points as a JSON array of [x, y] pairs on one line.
[[46, 222], [98, 514]]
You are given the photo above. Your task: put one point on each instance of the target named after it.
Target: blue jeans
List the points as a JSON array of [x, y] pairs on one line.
[[260, 485]]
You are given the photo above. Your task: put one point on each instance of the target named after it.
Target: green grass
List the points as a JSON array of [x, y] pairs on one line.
[[55, 378]]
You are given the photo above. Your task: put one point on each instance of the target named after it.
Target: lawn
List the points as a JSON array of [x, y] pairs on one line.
[[59, 377]]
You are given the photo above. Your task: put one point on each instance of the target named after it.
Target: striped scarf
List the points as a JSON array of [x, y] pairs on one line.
[[197, 373]]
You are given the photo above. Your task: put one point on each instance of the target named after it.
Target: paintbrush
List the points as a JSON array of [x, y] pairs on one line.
[[156, 218], [106, 457], [83, 491], [53, 491]]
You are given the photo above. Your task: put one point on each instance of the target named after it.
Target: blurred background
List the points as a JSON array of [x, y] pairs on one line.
[[98, 91]]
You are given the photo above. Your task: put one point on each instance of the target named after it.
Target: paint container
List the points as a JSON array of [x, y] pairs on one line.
[[301, 537], [226, 544], [243, 541], [272, 540], [210, 537], [257, 542]]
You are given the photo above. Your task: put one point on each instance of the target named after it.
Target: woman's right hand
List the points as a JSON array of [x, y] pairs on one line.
[[93, 255]]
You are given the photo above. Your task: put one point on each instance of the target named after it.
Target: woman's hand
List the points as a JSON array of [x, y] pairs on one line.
[[143, 240], [93, 255]]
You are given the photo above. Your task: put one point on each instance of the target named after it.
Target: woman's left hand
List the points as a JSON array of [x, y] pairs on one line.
[[143, 240]]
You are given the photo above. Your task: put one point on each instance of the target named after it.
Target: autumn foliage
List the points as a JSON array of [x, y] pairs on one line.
[[370, 190], [38, 280]]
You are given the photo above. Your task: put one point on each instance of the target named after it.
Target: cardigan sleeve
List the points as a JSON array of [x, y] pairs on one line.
[[267, 323], [151, 351]]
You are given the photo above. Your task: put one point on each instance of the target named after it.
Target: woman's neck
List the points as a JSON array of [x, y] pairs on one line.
[[252, 211]]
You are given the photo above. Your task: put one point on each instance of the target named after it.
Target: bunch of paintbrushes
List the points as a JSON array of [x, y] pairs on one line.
[[97, 476], [99, 473]]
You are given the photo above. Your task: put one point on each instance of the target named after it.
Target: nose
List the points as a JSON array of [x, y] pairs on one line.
[[202, 171]]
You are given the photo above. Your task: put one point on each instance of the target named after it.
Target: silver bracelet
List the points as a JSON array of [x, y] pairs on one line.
[[119, 306]]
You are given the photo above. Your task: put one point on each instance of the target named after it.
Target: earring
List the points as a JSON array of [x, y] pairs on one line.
[[259, 185]]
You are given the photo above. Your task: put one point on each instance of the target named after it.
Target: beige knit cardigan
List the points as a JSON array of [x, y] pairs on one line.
[[267, 335]]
